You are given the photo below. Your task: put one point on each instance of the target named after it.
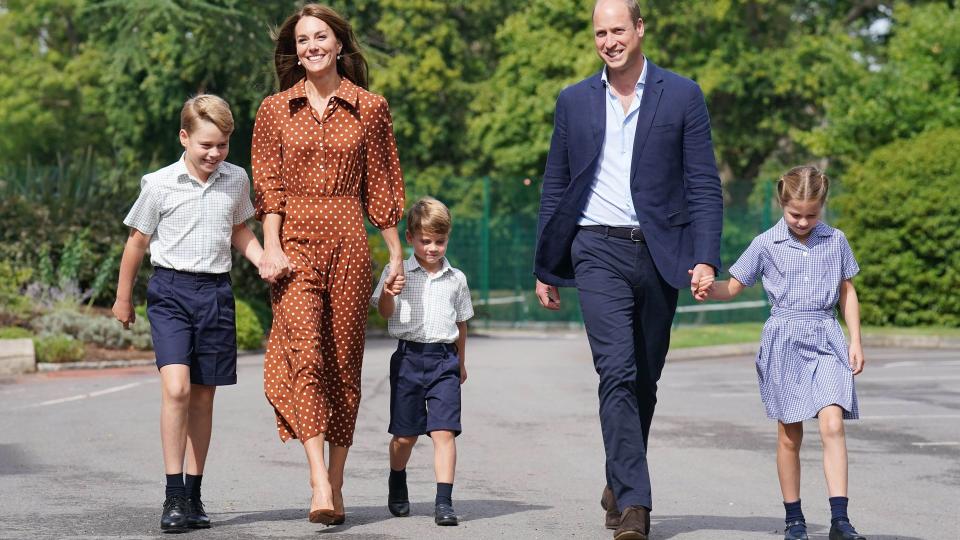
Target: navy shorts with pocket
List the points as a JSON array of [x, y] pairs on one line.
[[424, 389], [193, 322]]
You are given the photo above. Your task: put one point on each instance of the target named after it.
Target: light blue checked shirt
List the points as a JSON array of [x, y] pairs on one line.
[[798, 277], [611, 200]]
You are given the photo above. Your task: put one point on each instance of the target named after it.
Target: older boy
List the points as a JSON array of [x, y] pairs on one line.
[[189, 213], [427, 311]]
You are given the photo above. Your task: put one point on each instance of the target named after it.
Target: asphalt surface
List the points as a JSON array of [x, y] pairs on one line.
[[80, 453]]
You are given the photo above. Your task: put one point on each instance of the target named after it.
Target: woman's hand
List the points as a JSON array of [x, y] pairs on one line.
[[274, 264], [394, 283], [856, 358]]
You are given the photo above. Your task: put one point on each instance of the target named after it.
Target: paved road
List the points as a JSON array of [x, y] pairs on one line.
[[80, 453]]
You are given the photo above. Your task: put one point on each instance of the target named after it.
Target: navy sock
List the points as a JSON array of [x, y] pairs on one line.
[[191, 485], [794, 513], [175, 484], [444, 494], [838, 509], [398, 484]]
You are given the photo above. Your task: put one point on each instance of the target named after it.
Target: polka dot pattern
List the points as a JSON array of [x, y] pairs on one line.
[[323, 173]]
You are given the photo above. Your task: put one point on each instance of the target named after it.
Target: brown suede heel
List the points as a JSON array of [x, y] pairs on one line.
[[325, 516]]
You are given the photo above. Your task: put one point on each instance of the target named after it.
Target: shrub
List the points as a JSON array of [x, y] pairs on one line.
[[57, 348], [12, 280], [101, 331], [901, 211], [15, 332], [249, 331]]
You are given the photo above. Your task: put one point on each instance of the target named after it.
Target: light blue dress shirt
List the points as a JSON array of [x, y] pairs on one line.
[[610, 201]]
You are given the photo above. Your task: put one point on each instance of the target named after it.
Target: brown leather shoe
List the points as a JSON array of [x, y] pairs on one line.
[[634, 524], [608, 501]]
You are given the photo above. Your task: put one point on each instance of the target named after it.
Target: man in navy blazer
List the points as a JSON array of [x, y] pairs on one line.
[[631, 211]]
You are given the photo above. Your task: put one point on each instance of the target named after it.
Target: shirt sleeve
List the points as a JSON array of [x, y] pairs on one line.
[[144, 216], [464, 306], [266, 159], [244, 208], [383, 188], [375, 299], [848, 263], [750, 265]]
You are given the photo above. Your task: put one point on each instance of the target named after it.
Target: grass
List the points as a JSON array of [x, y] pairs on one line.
[[715, 334], [725, 334]]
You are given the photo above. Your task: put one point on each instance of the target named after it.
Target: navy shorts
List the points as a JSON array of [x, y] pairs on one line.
[[424, 389], [193, 322]]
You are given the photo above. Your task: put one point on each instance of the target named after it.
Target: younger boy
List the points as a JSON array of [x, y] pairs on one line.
[[427, 311], [189, 213]]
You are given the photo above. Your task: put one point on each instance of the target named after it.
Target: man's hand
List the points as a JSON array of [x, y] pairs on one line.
[[548, 295], [701, 278], [124, 312]]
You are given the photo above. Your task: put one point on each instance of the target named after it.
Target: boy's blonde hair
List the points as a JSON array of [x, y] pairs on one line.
[[430, 216], [806, 183], [207, 107]]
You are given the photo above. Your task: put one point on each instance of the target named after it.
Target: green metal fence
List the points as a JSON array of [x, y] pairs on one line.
[[496, 254]]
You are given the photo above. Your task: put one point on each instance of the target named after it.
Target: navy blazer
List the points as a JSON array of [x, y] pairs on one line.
[[675, 185]]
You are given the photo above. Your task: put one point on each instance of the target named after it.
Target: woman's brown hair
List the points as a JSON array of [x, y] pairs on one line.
[[350, 62]]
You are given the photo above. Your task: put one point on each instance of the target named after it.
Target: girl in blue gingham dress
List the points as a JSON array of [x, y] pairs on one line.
[[805, 367]]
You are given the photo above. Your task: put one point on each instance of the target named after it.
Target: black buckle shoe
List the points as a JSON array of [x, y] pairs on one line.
[[444, 515], [196, 515], [843, 530], [174, 517], [795, 530], [398, 502]]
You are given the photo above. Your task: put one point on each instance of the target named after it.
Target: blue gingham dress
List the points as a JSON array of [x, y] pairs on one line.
[[803, 364]]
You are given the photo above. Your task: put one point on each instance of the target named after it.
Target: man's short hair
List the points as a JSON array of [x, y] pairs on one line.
[[632, 5], [430, 216]]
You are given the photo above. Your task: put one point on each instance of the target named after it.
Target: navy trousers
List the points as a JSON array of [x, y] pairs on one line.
[[627, 309]]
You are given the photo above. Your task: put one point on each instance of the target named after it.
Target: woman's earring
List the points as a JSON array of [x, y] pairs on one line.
[[339, 56], [298, 63]]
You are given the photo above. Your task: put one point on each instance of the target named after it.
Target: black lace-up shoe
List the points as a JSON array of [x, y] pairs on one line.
[[174, 518], [444, 515], [843, 530], [196, 515]]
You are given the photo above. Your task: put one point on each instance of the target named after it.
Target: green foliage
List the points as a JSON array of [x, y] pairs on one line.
[[94, 329], [901, 211], [12, 281], [15, 332], [249, 331], [57, 348]]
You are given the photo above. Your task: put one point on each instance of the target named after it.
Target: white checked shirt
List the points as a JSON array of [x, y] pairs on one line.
[[190, 223], [429, 307]]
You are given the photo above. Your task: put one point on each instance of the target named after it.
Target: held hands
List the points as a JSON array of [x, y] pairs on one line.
[[394, 283], [856, 358], [124, 312], [548, 295], [702, 278], [274, 265]]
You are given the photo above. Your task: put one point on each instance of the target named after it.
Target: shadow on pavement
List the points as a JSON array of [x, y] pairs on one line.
[[468, 510], [664, 527]]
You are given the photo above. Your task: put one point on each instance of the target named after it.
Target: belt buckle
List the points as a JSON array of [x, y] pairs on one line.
[[636, 230]]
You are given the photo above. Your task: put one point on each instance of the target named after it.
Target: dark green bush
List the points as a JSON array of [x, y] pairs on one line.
[[901, 211], [249, 331], [57, 348]]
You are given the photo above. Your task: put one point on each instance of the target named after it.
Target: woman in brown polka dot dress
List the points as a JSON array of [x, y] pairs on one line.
[[324, 155]]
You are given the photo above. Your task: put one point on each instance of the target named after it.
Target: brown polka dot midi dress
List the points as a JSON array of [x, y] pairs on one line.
[[323, 173]]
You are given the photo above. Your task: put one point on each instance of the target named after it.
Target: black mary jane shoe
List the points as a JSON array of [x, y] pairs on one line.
[[196, 515], [795, 530], [444, 516], [843, 530], [174, 517]]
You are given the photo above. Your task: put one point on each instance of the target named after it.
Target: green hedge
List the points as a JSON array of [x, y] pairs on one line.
[[901, 211], [249, 331], [58, 348]]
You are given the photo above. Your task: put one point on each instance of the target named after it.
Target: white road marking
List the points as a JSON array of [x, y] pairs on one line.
[[83, 396], [910, 417], [942, 443]]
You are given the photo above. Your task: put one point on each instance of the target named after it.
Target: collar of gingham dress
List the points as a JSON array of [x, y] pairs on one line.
[[781, 232], [180, 171], [348, 92], [412, 264]]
